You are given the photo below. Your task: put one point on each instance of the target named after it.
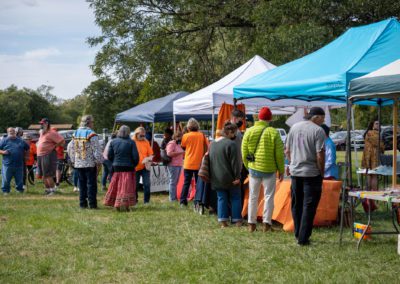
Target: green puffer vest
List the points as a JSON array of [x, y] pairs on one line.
[[269, 157]]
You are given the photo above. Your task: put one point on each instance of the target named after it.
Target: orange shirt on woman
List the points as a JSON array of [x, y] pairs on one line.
[[195, 144], [144, 149]]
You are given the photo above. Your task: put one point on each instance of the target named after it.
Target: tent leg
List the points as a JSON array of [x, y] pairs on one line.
[[152, 136], [354, 145], [349, 175], [212, 123], [174, 121], [395, 122]]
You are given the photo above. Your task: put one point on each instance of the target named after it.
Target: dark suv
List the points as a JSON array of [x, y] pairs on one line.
[[387, 137]]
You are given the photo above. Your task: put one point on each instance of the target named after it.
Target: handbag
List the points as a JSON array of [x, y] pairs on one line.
[[164, 157], [204, 171]]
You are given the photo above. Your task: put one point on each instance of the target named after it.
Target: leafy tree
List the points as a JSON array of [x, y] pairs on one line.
[[104, 99], [174, 45]]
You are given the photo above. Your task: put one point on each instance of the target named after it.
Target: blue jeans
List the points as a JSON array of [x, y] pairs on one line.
[[87, 187], [107, 172], [145, 174], [75, 177], [8, 173], [306, 193], [234, 196], [174, 173], [188, 180]]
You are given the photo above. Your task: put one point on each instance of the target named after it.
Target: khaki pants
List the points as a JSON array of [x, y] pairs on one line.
[[269, 193]]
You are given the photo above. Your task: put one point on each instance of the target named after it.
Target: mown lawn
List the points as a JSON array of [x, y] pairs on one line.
[[49, 239]]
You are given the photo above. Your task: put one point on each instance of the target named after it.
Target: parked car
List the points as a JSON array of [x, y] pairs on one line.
[[282, 133], [67, 134], [158, 137], [32, 133], [387, 137], [339, 138]]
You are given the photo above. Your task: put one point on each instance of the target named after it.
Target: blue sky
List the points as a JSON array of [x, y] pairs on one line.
[[44, 42]]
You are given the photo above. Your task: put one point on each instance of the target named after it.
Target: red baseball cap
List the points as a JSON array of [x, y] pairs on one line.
[[44, 120]]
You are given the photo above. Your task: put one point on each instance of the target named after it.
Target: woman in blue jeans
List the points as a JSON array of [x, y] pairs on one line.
[[225, 176], [175, 151]]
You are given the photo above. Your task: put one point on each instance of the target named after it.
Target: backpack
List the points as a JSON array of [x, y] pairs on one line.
[[163, 153]]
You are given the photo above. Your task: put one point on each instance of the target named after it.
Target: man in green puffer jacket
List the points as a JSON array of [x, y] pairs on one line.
[[263, 156]]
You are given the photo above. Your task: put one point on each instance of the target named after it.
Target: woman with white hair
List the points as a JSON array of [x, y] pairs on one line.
[[195, 144], [145, 157], [124, 156]]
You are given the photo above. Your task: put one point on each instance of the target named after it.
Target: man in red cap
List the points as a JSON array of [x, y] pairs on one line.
[[306, 155], [46, 154], [262, 153]]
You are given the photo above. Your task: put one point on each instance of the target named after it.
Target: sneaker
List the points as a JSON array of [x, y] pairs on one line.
[[24, 187], [266, 227], [76, 189], [252, 228], [104, 188], [6, 193], [223, 224]]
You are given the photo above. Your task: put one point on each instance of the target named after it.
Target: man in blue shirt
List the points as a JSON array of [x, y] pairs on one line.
[[331, 169], [13, 150]]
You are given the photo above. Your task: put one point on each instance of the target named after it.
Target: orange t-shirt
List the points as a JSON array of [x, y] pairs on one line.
[[144, 149], [195, 144], [32, 153], [60, 152]]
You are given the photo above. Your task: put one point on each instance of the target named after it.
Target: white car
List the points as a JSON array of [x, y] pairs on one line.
[[158, 137], [282, 133]]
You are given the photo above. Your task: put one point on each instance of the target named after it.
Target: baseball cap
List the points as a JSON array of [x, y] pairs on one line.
[[44, 120], [315, 111]]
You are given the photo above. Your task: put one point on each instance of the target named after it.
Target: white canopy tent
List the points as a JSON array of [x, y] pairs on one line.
[[210, 99]]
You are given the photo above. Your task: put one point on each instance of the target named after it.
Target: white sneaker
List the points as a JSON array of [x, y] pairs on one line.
[[24, 187], [76, 189]]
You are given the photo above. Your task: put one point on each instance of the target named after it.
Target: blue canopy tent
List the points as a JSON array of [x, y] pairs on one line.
[[158, 110], [324, 75]]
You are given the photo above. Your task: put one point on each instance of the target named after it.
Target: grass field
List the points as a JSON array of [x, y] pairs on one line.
[[49, 239]]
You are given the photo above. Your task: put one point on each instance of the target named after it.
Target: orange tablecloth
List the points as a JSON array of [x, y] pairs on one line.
[[326, 212]]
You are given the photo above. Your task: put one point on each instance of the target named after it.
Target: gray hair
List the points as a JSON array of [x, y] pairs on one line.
[[123, 131], [193, 124], [85, 120]]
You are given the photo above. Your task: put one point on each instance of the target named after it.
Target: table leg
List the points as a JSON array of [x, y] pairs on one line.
[[366, 228], [342, 213], [394, 219]]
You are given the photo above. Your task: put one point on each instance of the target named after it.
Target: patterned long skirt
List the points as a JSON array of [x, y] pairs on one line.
[[122, 190]]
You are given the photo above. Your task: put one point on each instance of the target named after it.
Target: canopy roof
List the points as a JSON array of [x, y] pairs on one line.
[[209, 99], [377, 85], [324, 75], [158, 110]]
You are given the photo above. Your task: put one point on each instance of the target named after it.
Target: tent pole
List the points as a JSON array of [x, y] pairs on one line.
[[212, 122], [395, 122], [349, 175], [354, 144], [379, 130], [234, 103], [152, 136], [174, 121]]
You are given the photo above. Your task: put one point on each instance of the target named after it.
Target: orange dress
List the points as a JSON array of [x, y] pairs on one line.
[[370, 154]]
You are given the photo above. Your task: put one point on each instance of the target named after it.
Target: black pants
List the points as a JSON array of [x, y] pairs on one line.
[[27, 170], [306, 193], [87, 187], [188, 174]]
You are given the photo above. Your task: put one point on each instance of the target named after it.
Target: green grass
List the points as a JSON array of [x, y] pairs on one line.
[[49, 239]]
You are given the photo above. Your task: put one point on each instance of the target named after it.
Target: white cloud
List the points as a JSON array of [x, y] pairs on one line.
[[43, 53]]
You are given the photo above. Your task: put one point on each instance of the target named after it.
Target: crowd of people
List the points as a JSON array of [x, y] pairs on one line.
[[259, 154]]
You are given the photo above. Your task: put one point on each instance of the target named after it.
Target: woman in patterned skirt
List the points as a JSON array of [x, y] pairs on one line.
[[124, 156]]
